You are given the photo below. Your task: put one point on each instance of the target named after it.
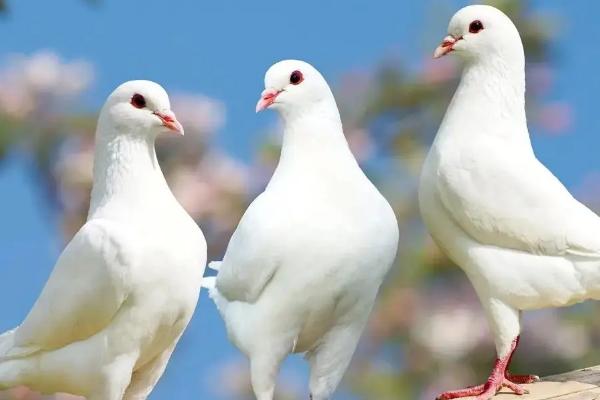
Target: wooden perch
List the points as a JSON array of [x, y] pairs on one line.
[[583, 384]]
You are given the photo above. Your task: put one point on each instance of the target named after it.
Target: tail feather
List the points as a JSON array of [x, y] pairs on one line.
[[215, 265], [210, 283], [237, 315]]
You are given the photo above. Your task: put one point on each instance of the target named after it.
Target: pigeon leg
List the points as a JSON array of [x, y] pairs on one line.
[[518, 379], [330, 359], [115, 382], [264, 367], [498, 379], [145, 378]]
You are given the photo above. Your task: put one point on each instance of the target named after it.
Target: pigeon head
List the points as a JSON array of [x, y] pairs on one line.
[[293, 86], [140, 107], [480, 33]]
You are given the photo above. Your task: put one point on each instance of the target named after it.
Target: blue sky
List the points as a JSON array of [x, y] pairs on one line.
[[222, 49]]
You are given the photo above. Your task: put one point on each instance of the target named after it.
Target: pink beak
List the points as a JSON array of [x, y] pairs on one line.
[[267, 97], [445, 47], [170, 121]]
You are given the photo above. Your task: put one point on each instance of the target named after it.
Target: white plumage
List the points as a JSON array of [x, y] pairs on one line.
[[125, 287], [522, 239], [303, 268]]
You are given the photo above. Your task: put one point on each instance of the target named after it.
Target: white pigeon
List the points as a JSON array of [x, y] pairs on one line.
[[124, 289], [303, 268], [523, 241]]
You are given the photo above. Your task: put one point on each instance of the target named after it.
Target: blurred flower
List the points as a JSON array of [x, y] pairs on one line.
[[447, 379], [451, 329], [214, 192], [75, 164], [555, 118], [588, 190], [30, 83], [436, 71], [353, 93], [198, 114], [567, 341], [73, 172], [539, 78], [360, 142], [234, 382], [393, 314]]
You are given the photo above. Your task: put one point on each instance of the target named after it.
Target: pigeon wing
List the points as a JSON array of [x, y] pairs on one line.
[[89, 284], [517, 203], [251, 259]]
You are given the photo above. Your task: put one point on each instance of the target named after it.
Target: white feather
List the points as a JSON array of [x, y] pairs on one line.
[[125, 287], [520, 236], [302, 270]]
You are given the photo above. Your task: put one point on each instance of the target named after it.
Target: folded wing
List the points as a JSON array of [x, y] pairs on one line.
[[251, 259], [518, 203], [86, 289]]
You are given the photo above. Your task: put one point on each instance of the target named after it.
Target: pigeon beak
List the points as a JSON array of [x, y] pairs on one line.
[[267, 97], [446, 46], [169, 120]]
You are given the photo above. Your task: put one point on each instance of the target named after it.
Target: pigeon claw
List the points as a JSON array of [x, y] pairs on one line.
[[522, 379], [485, 391], [499, 378]]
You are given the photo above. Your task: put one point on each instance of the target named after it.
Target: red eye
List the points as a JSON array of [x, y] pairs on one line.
[[296, 78], [475, 26], [138, 101]]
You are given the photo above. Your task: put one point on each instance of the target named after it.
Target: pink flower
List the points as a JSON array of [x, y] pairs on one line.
[[40, 81], [555, 118], [198, 114]]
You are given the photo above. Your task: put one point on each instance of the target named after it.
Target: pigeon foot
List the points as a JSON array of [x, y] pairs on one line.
[[485, 391], [499, 378]]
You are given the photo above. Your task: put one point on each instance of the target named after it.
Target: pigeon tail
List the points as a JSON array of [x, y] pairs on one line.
[[209, 282], [236, 314], [221, 302], [215, 265]]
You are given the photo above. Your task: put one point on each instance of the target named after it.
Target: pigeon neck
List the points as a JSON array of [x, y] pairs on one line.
[[125, 166], [313, 136], [490, 99]]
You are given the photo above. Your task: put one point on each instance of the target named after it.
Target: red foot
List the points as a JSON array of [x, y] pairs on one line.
[[483, 392], [521, 379], [498, 379]]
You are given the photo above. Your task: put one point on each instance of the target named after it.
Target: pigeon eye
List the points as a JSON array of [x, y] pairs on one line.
[[138, 101], [296, 78], [475, 26]]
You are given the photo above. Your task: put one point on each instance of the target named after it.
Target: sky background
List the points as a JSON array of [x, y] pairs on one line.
[[222, 49]]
